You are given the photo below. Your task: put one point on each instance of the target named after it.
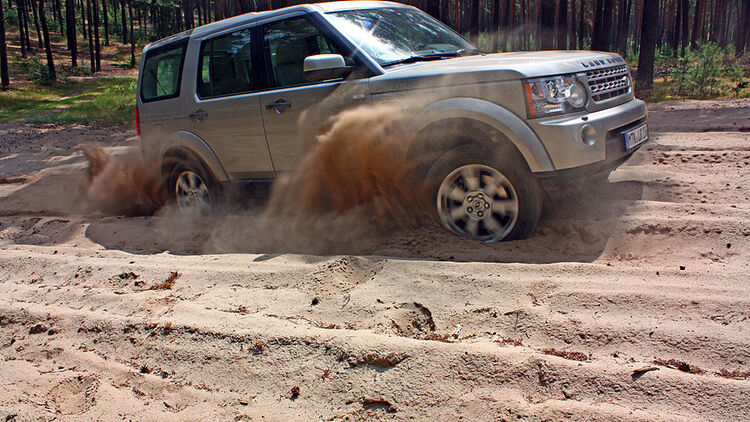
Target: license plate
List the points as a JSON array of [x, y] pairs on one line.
[[637, 136]]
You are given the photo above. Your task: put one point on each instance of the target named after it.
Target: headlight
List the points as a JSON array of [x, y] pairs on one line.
[[554, 95]]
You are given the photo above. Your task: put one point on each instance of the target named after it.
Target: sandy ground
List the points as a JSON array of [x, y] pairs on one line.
[[630, 303]]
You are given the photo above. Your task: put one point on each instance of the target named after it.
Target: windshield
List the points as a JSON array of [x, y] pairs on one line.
[[391, 35]]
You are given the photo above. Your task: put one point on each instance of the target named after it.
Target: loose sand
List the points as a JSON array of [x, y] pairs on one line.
[[630, 303]]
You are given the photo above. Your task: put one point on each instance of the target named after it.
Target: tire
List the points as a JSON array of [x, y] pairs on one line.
[[190, 186], [486, 195]]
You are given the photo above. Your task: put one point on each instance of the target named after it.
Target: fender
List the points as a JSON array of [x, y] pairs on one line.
[[499, 118], [189, 141]]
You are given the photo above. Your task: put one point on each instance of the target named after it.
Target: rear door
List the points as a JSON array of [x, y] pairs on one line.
[[159, 102], [226, 113]]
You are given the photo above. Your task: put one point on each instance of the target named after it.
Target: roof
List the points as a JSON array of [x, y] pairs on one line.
[[333, 6]]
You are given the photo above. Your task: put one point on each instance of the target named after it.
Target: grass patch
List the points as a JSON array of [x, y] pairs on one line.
[[109, 101]]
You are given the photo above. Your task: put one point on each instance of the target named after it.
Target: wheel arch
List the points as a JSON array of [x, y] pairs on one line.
[[185, 144], [480, 115]]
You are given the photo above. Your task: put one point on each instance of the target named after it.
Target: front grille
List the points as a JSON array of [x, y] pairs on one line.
[[609, 82]]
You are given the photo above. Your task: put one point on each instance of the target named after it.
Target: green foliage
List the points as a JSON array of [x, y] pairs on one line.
[[35, 70], [736, 76], [631, 56], [85, 101], [11, 17], [707, 72]]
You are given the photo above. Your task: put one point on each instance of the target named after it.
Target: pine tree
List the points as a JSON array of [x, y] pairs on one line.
[[47, 47], [4, 77], [649, 32]]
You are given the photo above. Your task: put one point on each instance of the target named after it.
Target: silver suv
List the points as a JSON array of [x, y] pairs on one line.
[[220, 104]]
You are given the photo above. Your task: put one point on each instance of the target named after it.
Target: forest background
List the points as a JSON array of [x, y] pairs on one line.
[[72, 61]]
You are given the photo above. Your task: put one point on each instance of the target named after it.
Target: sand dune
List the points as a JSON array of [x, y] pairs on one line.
[[631, 302]]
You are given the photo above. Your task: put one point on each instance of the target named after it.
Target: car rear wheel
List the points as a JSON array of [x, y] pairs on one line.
[[191, 188]]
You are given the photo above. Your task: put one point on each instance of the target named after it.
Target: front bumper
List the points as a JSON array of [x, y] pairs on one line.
[[574, 178], [584, 139]]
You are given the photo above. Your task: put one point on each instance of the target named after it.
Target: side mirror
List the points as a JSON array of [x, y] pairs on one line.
[[321, 67]]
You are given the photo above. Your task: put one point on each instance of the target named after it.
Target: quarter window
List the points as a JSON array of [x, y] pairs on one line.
[[287, 44], [226, 66], [162, 71]]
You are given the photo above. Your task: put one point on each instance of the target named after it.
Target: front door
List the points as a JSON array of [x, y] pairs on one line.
[[286, 43], [227, 112]]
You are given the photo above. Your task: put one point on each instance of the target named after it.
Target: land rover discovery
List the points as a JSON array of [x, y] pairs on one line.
[[221, 103]]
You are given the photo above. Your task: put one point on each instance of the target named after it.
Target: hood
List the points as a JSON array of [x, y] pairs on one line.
[[496, 67]]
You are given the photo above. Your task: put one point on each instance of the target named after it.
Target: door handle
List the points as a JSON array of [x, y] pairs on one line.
[[199, 115], [279, 106]]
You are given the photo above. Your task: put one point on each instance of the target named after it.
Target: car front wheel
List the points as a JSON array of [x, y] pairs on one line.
[[486, 199]]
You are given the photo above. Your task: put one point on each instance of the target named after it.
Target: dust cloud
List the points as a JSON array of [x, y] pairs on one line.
[[122, 185], [360, 163], [354, 184]]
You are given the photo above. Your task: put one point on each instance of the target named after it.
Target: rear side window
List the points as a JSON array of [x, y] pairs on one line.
[[226, 65], [162, 72]]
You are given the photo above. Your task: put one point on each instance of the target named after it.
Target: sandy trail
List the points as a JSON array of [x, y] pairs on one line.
[[648, 268]]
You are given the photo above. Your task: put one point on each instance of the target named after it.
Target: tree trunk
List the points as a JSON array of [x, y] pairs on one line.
[[685, 25], [433, 8], [718, 22], [581, 21], [26, 24], [603, 26], [508, 39], [524, 17], [547, 24], [97, 47], [742, 29], [132, 35], [496, 26], [70, 29], [84, 30], [58, 13], [21, 29], [573, 25], [623, 27], [649, 31], [696, 23], [92, 60], [188, 9], [726, 25], [538, 24], [474, 25], [124, 22], [596, 30], [36, 24], [4, 77], [562, 25], [106, 22], [47, 47]]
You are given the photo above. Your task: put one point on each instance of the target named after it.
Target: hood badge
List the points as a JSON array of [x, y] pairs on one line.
[[604, 61]]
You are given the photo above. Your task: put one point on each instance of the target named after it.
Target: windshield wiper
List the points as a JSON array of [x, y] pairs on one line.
[[435, 56]]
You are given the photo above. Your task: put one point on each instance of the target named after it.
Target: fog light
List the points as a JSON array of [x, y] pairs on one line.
[[588, 135]]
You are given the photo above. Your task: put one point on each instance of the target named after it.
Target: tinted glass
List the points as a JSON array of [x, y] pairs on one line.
[[161, 73], [288, 42], [225, 66]]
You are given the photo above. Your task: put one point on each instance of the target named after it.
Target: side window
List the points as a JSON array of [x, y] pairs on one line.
[[287, 44], [162, 72], [225, 65]]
